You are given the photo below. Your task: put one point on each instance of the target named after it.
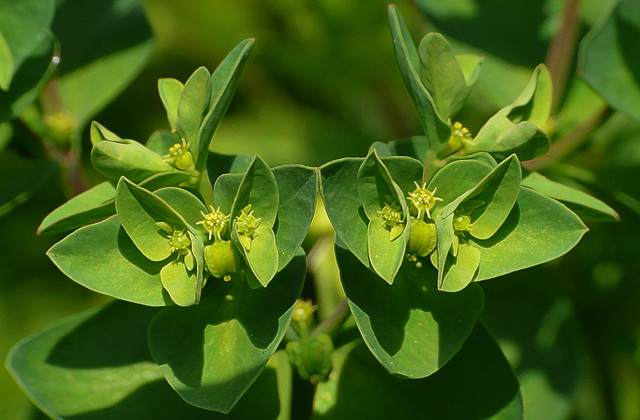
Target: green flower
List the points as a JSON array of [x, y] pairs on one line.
[[246, 225], [215, 223], [423, 200]]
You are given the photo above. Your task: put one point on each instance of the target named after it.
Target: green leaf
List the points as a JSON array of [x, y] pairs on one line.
[[386, 255], [218, 164], [339, 190], [193, 105], [412, 328], [499, 190], [262, 256], [181, 285], [445, 241], [460, 269], [170, 92], [225, 190], [6, 134], [115, 46], [435, 128], [184, 203], [260, 190], [476, 384], [102, 258], [298, 192], [99, 132], [404, 171], [608, 58], [538, 229], [90, 206], [61, 368], [211, 353], [570, 196], [501, 136], [442, 75], [376, 188], [127, 158], [534, 102], [138, 211], [224, 83], [23, 26], [455, 179], [21, 178]]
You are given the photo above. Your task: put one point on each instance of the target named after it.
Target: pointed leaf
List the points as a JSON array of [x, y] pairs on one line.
[[138, 211], [101, 257], [476, 384], [61, 367], [127, 158], [224, 83], [568, 195], [170, 91], [501, 136], [534, 102], [412, 328], [218, 164], [99, 132], [90, 206], [211, 353], [339, 191], [435, 128], [538, 229], [260, 190], [298, 192]]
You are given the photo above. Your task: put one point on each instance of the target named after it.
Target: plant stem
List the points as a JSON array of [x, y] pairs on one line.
[[561, 50], [333, 321]]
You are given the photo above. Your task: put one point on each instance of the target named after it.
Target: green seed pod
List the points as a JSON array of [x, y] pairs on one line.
[[423, 238], [184, 161], [222, 259]]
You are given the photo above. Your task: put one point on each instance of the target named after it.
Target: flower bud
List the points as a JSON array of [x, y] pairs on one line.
[[222, 259]]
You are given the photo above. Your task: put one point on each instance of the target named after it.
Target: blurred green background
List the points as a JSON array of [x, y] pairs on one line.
[[322, 83]]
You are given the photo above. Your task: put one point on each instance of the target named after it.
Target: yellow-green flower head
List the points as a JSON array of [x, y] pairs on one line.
[[391, 215], [303, 311], [461, 223], [246, 222], [460, 136], [214, 222], [180, 156], [180, 242], [423, 200]]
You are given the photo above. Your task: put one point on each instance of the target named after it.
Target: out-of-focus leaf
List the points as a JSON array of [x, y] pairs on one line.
[[6, 134], [102, 257], [608, 60], [212, 352], [412, 328], [24, 24], [477, 383], [31, 78], [21, 178], [116, 43]]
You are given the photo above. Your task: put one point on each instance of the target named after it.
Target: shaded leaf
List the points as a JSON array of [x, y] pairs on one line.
[[262, 255], [21, 178], [181, 285], [260, 190], [476, 384], [412, 328], [339, 190], [211, 353]]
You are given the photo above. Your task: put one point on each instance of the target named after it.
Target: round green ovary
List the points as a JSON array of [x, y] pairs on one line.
[[180, 242], [222, 259], [423, 239]]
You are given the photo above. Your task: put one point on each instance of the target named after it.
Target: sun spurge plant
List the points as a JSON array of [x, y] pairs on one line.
[[203, 253]]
